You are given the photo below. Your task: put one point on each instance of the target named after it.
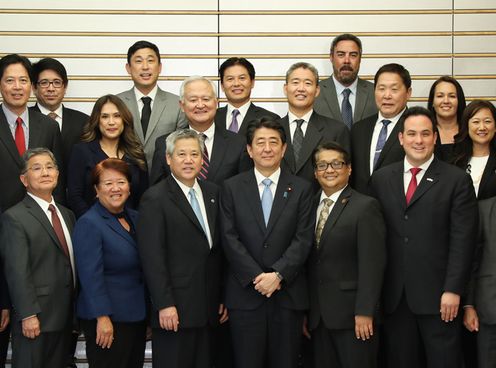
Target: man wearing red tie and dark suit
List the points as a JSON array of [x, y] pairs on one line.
[[431, 216]]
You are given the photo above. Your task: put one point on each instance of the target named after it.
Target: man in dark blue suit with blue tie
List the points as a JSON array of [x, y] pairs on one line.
[[267, 229]]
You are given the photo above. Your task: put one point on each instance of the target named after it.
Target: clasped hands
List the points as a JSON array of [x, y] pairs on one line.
[[267, 283]]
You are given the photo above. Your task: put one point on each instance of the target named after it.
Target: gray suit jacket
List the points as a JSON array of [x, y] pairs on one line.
[[38, 272], [482, 285], [166, 117], [327, 102]]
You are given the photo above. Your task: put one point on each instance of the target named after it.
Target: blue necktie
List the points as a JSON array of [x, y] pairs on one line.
[[196, 209], [381, 141], [346, 111], [266, 199]]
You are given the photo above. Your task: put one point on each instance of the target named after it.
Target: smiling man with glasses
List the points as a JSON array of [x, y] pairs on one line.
[[50, 85], [345, 266]]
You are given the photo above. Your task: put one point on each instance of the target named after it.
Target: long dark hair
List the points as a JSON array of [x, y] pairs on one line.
[[460, 96], [128, 141], [463, 149]]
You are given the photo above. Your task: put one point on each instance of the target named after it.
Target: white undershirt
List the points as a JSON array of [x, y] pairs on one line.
[[477, 166]]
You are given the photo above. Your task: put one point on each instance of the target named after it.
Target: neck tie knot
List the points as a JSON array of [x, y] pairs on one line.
[[415, 170], [385, 122], [267, 182], [53, 115], [346, 92], [146, 100], [299, 123]]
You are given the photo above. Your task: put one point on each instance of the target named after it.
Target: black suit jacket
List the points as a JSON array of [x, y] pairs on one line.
[[252, 248], [180, 268], [43, 132], [254, 112], [38, 272], [487, 186], [361, 139], [81, 193], [73, 122], [482, 282], [345, 272], [431, 240], [228, 157], [320, 129]]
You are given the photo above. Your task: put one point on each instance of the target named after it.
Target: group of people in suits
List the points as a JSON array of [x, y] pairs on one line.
[[231, 231]]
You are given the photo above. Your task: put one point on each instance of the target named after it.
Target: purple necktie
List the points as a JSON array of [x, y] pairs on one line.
[[234, 127]]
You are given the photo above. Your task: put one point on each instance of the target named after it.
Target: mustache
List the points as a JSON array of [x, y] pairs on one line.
[[346, 67]]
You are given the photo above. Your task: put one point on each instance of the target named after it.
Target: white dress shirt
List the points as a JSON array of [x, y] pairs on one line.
[[275, 179], [139, 95], [58, 111], [11, 120], [407, 175], [243, 110], [292, 123], [339, 92]]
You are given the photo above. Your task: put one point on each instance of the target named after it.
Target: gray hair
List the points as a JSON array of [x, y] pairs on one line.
[[32, 152], [303, 65], [194, 78], [172, 138]]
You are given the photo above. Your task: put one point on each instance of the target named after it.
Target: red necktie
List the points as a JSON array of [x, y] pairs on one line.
[[57, 226], [205, 161], [413, 184], [20, 142]]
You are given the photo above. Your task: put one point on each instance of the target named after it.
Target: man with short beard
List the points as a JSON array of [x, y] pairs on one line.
[[344, 96]]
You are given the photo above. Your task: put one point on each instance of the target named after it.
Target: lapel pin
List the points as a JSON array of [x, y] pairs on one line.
[[344, 200], [212, 200], [430, 179], [286, 193]]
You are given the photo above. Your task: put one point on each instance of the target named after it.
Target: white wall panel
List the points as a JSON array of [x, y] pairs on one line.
[[475, 22], [474, 44], [474, 66], [335, 23], [109, 23], [334, 5], [105, 45], [471, 4], [112, 4]]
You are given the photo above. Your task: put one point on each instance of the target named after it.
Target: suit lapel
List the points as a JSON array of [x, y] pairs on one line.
[[489, 171], [331, 98], [367, 141], [218, 151], [36, 211], [397, 184], [335, 213], [312, 138], [430, 178], [113, 223], [253, 198], [361, 99], [8, 140], [157, 110], [289, 154], [132, 104], [283, 191], [35, 132], [390, 142], [210, 209], [178, 197], [220, 116]]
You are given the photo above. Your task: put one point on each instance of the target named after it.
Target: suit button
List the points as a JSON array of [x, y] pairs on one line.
[[406, 239], [266, 245], [406, 217]]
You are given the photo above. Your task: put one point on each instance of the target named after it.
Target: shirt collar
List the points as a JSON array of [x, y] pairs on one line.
[[152, 93], [209, 132], [292, 117], [333, 197], [407, 165], [274, 177], [46, 111], [186, 188], [42, 203], [11, 117], [394, 119], [340, 88], [242, 109]]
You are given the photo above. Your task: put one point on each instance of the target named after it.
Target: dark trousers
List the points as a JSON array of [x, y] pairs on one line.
[[486, 346], [48, 350], [268, 336], [186, 348], [127, 349], [420, 341], [341, 348], [222, 355]]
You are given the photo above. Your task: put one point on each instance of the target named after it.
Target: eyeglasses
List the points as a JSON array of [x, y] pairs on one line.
[[56, 83], [38, 169], [336, 165]]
